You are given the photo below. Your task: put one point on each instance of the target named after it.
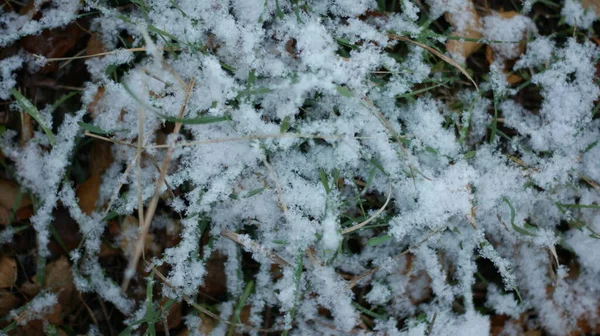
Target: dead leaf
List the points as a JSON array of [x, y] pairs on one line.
[[290, 47], [174, 316], [87, 194], [100, 157], [8, 272], [471, 31], [8, 195], [591, 4], [490, 56], [59, 279], [4, 215], [497, 323], [8, 302], [129, 235], [51, 43], [533, 333], [206, 327], [67, 230], [97, 97], [95, 45], [35, 323], [30, 289], [215, 285]]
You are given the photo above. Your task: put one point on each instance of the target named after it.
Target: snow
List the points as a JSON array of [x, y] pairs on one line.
[[576, 15], [456, 196], [510, 31], [58, 13], [40, 306]]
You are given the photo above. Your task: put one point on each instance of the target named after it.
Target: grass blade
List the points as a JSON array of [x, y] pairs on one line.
[[34, 113]]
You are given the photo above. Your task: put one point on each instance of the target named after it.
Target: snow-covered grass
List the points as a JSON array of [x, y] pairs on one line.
[[340, 146]]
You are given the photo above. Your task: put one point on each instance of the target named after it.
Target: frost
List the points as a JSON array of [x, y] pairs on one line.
[[298, 119], [539, 52], [37, 308], [7, 77], [503, 303], [509, 31], [576, 15], [57, 14], [379, 294]]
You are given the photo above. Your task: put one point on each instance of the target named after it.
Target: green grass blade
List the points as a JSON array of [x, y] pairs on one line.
[[239, 307], [34, 113]]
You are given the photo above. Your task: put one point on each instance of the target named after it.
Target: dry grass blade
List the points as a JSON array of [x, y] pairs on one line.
[[438, 54], [139, 247], [591, 182], [254, 247], [119, 142], [56, 59], [375, 215], [358, 278]]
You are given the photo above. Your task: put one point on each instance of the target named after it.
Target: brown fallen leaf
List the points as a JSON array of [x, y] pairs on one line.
[[591, 4], [95, 45], [33, 324], [472, 31], [20, 215], [511, 78], [30, 289], [59, 279], [87, 193], [8, 195], [533, 333], [52, 43], [8, 302], [8, 272], [128, 237], [67, 230], [490, 55], [206, 327], [100, 157], [214, 285], [94, 103], [173, 318]]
